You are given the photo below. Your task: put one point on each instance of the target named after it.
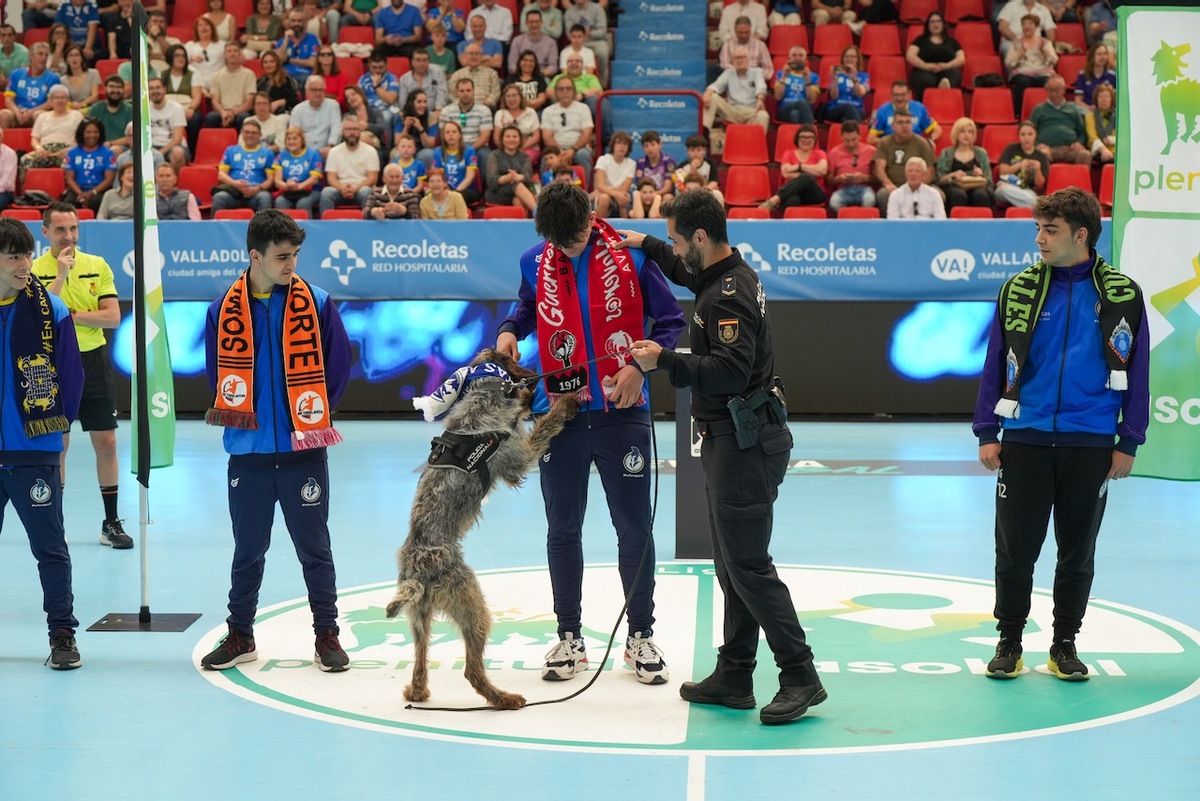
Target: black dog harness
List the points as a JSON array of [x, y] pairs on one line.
[[469, 453]]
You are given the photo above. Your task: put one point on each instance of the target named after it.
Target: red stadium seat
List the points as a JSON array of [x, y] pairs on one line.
[[1107, 177], [199, 179], [398, 65], [914, 12], [883, 71], [785, 37], [85, 214], [992, 105], [342, 214], [353, 67], [748, 213], [745, 144], [211, 144], [356, 34], [1069, 66], [831, 40], [970, 213], [1018, 213], [109, 66], [980, 64], [1033, 96], [1063, 175], [254, 65], [35, 35], [975, 37], [746, 185], [233, 214], [241, 10], [785, 139], [858, 213], [1071, 33], [297, 214], [24, 213], [945, 105], [19, 139], [880, 40], [805, 213], [959, 10], [45, 179], [504, 213], [186, 11], [995, 138]]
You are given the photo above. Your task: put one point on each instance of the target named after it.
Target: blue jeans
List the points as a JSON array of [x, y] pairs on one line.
[[794, 111]]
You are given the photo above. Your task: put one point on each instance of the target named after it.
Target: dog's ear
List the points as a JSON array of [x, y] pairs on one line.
[[508, 363]]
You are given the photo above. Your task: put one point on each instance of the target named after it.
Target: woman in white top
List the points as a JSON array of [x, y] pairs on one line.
[[614, 175], [53, 132], [514, 110], [223, 22], [206, 53]]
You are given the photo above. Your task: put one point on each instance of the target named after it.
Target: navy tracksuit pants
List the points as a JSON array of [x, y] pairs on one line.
[[36, 494], [621, 453], [302, 492]]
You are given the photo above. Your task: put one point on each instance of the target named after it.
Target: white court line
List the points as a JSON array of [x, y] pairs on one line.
[[695, 778]]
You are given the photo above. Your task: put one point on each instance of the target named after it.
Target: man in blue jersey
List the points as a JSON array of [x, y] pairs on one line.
[[297, 48], [82, 18], [587, 300], [923, 124], [28, 92], [381, 87], [244, 175]]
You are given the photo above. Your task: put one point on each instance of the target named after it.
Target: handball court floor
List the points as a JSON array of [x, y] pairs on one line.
[[878, 527]]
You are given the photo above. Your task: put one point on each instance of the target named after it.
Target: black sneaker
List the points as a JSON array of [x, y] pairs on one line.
[[714, 690], [1007, 662], [113, 534], [791, 702], [237, 647], [64, 654], [329, 654], [1064, 662]]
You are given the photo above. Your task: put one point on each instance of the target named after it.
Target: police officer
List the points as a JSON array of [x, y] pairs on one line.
[[746, 443]]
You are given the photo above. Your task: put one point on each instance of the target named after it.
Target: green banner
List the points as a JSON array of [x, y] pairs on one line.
[[1156, 220]]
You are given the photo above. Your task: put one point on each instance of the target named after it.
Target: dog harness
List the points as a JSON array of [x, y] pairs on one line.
[[469, 453]]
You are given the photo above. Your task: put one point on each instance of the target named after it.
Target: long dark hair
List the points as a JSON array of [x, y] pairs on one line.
[[409, 109]]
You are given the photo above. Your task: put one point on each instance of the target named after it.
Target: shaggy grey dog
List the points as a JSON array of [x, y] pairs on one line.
[[434, 578]]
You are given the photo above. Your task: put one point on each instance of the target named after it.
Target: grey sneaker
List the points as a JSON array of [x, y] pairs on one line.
[[237, 647], [64, 653], [565, 659], [329, 654], [646, 660], [113, 535]]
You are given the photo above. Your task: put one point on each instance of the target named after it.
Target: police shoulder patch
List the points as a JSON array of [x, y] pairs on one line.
[[727, 287], [727, 330]]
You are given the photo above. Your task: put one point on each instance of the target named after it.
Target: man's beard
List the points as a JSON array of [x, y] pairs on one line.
[[693, 259]]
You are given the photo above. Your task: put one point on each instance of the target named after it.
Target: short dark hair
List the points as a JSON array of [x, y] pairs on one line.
[[83, 126], [577, 27], [850, 126], [114, 78], [270, 227], [695, 141], [57, 207], [15, 236], [378, 55], [562, 213], [651, 136], [1076, 207], [696, 210]]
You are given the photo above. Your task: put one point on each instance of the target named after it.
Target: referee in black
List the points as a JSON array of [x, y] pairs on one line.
[[740, 414]]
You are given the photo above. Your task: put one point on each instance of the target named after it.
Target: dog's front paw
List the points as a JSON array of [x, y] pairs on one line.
[[509, 701], [419, 694], [394, 608]]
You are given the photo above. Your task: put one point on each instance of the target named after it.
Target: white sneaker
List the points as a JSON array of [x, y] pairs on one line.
[[565, 659], [646, 660]]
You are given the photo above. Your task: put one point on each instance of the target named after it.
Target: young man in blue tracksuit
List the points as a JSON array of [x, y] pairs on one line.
[[587, 299], [1067, 372], [41, 380], [279, 360]]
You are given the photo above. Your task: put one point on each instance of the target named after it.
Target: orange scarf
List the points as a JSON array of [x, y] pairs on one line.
[[303, 364]]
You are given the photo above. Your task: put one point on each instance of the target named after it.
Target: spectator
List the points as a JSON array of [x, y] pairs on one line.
[[698, 163], [206, 53], [232, 92], [587, 85], [83, 84], [113, 114], [297, 48], [802, 173], [245, 176], [1061, 10], [38, 14], [796, 89], [474, 121], [849, 86], [12, 53], [529, 79], [278, 85], [515, 111], [881, 124], [167, 126], [263, 29], [315, 21], [849, 170], [484, 80], [1023, 169], [28, 87], [118, 26], [53, 132], [595, 23], [963, 170], [659, 167], [835, 11], [328, 68], [568, 126], [893, 152], [785, 12], [90, 168], [381, 88], [753, 10], [446, 16], [440, 55], [760, 55], [1061, 132], [224, 25], [420, 122], [551, 160], [441, 202], [172, 202], [458, 163], [319, 117], [1101, 21], [423, 76], [183, 87], [1101, 125], [492, 50], [498, 18], [351, 170], [412, 168], [738, 95], [399, 29], [916, 199], [576, 37], [157, 42], [332, 18], [361, 13], [393, 200], [8, 173], [542, 46], [1030, 60], [552, 18], [646, 202], [510, 173], [936, 59], [1094, 73], [1008, 22], [117, 203], [82, 18], [60, 40], [614, 176], [298, 171], [374, 129]]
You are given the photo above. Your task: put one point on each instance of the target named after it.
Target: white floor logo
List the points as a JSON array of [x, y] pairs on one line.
[[342, 260], [901, 654]]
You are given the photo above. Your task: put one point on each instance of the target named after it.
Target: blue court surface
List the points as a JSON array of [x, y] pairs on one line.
[[883, 533]]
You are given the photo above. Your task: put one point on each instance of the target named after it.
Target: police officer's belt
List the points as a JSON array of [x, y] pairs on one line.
[[723, 426], [469, 453]]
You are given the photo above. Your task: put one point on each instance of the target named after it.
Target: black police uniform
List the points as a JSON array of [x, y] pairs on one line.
[[732, 355]]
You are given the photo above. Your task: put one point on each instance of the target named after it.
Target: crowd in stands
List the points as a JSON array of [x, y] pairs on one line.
[[400, 109]]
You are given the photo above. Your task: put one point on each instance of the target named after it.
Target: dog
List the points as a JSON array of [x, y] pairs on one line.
[[485, 442]]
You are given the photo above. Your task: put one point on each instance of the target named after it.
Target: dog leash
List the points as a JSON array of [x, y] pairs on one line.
[[612, 637], [533, 379]]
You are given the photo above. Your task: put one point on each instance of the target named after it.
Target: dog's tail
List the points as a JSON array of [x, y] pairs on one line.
[[407, 592]]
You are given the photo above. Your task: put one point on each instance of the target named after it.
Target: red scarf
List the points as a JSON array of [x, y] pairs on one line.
[[614, 307]]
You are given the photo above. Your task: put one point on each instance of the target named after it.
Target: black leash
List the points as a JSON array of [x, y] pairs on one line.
[[533, 379], [620, 615]]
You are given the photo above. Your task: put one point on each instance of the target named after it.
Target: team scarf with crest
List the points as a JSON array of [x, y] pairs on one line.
[[34, 344], [614, 306], [437, 404], [1021, 301], [303, 366]]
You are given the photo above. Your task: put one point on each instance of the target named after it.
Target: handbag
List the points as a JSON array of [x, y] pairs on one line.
[[971, 181]]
